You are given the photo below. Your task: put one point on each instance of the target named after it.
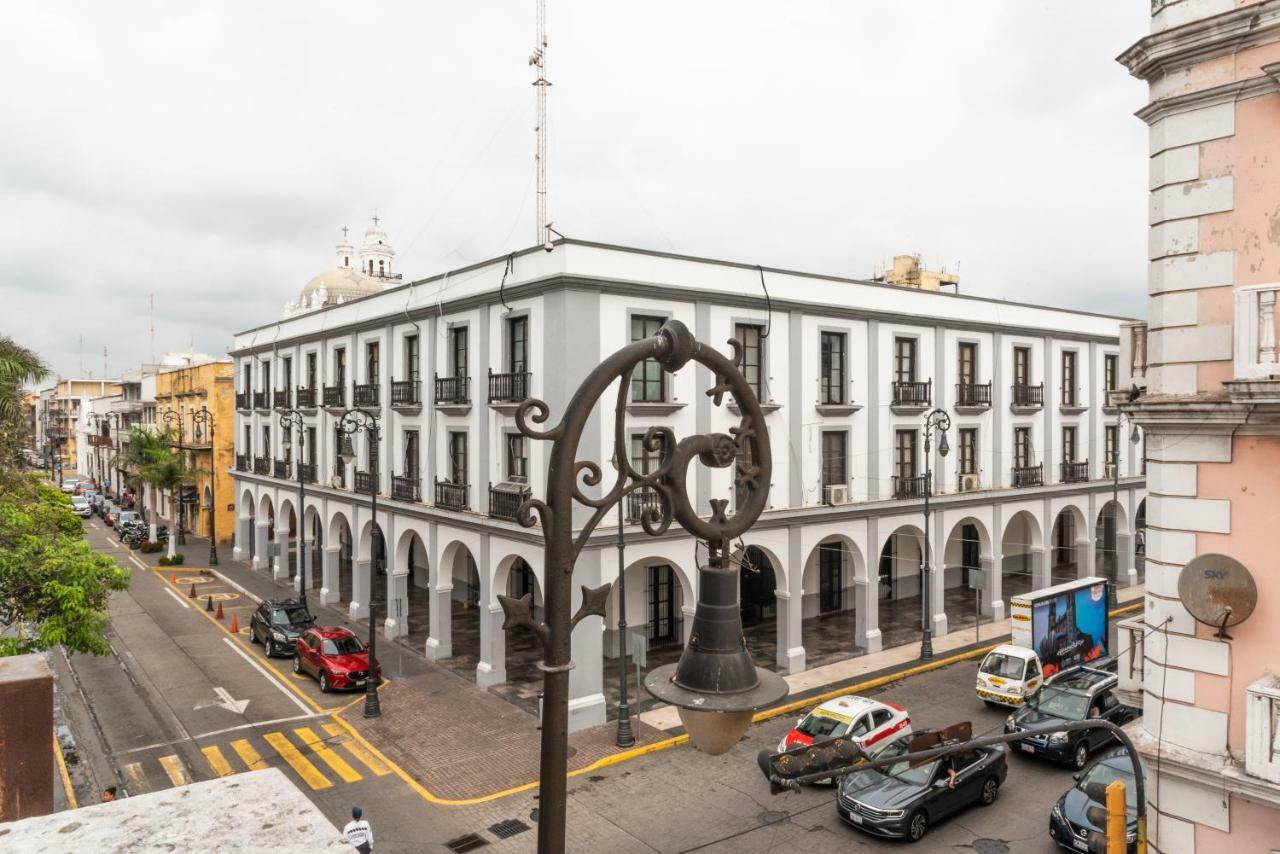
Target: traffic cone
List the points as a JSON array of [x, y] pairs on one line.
[[219, 616], [173, 578], [235, 625], [191, 594], [208, 603]]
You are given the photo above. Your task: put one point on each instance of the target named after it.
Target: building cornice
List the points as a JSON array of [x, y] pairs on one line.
[[1202, 770], [1207, 38], [1228, 93]]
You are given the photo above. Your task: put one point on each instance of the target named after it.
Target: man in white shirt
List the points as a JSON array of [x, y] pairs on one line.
[[357, 833]]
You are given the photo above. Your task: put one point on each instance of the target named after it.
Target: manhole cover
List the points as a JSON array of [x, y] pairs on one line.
[[509, 828], [772, 817], [470, 842], [991, 846]]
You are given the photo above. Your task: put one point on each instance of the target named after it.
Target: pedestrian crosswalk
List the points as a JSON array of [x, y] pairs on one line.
[[320, 759]]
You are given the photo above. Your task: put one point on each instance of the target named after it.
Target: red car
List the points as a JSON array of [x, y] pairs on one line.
[[334, 656], [111, 517]]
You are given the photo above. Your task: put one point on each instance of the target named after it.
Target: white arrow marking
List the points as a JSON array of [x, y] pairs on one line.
[[225, 701]]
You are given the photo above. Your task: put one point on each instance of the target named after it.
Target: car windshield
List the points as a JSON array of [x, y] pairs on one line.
[[917, 776], [1104, 773], [290, 616], [1000, 664], [816, 725], [342, 646], [1062, 704]]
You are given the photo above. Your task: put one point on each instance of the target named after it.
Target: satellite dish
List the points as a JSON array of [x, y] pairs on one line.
[[1218, 591]]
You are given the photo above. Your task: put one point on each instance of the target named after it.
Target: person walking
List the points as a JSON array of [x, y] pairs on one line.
[[357, 833]]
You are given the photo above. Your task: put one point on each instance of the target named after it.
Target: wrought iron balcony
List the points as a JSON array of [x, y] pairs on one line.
[[242, 462], [912, 393], [280, 469], [306, 397], [1028, 476], [367, 394], [916, 486], [509, 387], [973, 394], [406, 488], [639, 501], [261, 465], [243, 400], [366, 481], [307, 471], [281, 398], [335, 396], [406, 393], [505, 500], [453, 390], [1075, 472], [451, 496], [260, 400], [1028, 395]]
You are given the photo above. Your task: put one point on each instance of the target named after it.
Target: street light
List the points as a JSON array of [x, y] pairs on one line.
[[625, 737], [169, 417], [293, 418], [938, 420], [353, 421], [715, 685], [204, 418]]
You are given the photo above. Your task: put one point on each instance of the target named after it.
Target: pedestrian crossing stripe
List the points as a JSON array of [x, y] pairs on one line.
[[299, 763], [174, 768], [357, 750], [137, 780], [326, 754], [248, 755], [216, 760]]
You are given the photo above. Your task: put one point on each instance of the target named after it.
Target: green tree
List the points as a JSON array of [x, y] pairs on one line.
[[53, 587], [151, 457], [19, 367]]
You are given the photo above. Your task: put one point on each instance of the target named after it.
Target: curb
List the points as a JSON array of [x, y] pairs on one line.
[[66, 777]]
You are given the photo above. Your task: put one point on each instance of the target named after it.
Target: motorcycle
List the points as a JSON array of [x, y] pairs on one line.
[[139, 535]]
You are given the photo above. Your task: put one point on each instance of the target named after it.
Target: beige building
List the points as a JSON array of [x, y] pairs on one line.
[[60, 409]]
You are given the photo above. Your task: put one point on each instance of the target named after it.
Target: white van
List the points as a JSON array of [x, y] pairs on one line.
[[1008, 676]]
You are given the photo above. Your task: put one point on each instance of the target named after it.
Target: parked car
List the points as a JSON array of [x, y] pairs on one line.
[[111, 516], [68, 486], [1077, 694], [870, 723], [903, 802], [1008, 675], [334, 656], [125, 519], [1069, 823], [81, 506], [276, 625]]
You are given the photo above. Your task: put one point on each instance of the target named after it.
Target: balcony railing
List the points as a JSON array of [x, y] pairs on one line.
[[509, 387], [335, 396], [242, 462], [366, 481], [912, 393], [306, 397], [406, 393], [639, 501], [1028, 395], [367, 394], [406, 488], [1028, 476], [910, 487], [243, 401], [451, 496], [307, 471], [280, 469], [261, 465], [973, 394], [456, 390], [504, 501], [281, 397], [260, 400], [1073, 472]]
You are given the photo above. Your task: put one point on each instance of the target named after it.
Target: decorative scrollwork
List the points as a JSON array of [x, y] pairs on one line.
[[540, 413]]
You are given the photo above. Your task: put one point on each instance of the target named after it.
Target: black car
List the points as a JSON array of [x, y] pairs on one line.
[[1069, 824], [902, 801], [1078, 694], [277, 623]]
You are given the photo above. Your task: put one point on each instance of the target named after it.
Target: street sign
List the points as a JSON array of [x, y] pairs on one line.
[[977, 579]]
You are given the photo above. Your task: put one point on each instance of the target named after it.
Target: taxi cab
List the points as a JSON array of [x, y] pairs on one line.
[[869, 723], [1008, 675]]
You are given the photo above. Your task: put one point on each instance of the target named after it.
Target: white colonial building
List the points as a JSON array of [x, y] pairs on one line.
[[846, 370]]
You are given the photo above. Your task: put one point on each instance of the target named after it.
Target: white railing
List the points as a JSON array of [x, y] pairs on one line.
[[1262, 729], [1255, 332]]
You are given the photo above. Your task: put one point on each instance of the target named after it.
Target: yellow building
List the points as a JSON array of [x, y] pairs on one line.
[[182, 395]]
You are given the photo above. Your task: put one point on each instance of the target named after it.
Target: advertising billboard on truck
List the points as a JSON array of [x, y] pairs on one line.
[[1066, 625]]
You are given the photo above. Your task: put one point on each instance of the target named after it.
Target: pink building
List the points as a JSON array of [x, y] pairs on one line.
[[1207, 367]]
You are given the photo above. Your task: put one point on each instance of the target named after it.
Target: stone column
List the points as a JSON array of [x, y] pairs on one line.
[[244, 535], [261, 538], [396, 622], [1039, 569], [937, 597], [492, 667], [1126, 575], [440, 609], [301, 580], [1082, 553], [992, 607], [329, 577], [789, 629], [361, 570], [586, 680], [280, 564], [866, 614]]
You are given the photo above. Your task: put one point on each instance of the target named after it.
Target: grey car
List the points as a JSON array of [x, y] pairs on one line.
[[902, 801]]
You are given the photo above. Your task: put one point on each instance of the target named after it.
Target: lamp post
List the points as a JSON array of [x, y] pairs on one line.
[[170, 416], [353, 421], [290, 418], [938, 420], [202, 417], [625, 737], [715, 685]]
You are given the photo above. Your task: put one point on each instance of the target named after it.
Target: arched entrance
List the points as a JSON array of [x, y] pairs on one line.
[[465, 610], [829, 608], [1111, 543], [313, 529], [965, 558], [370, 577], [341, 538], [898, 586], [412, 555], [1140, 541], [1065, 554], [522, 650], [758, 605], [1021, 556]]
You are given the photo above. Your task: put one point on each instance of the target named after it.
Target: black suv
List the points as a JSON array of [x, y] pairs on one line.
[[276, 624], [1078, 694]]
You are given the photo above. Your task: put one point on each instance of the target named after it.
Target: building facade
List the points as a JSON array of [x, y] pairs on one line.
[[61, 409], [1039, 483], [1207, 386]]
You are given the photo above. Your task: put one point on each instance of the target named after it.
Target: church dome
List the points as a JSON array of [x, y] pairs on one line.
[[346, 282]]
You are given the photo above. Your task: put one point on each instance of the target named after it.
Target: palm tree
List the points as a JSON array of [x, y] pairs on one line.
[[150, 457], [18, 368]]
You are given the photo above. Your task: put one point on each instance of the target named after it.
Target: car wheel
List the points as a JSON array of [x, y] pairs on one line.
[[990, 704], [1081, 757], [297, 663], [990, 789], [917, 826], [324, 682]]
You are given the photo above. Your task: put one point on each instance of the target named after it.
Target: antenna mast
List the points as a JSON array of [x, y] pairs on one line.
[[153, 328], [538, 59]]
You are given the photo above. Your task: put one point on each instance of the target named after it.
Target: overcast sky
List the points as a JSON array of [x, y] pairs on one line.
[[209, 153]]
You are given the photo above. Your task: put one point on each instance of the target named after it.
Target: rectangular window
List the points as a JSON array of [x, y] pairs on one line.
[[1111, 371], [1068, 444], [266, 378], [411, 453], [372, 353], [411, 360], [458, 351], [1022, 447], [518, 344], [340, 367], [458, 458], [311, 370], [751, 337], [967, 363], [311, 446], [835, 469], [904, 360], [517, 458], [1022, 366], [247, 381], [648, 384], [370, 456], [1112, 440], [248, 440], [968, 450], [905, 454], [266, 440], [641, 460], [339, 442], [833, 348], [286, 375], [1068, 378]]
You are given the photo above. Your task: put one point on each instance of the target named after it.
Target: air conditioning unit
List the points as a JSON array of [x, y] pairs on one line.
[[969, 482], [1109, 470], [838, 494]]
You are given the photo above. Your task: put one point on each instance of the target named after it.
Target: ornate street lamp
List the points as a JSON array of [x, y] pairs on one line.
[[353, 421], [291, 418], [170, 417], [715, 684], [204, 418], [938, 420]]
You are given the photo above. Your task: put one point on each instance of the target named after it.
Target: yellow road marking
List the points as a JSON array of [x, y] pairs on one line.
[[249, 756], [217, 762], [308, 772], [138, 782], [66, 778], [173, 767], [357, 750], [333, 760]]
